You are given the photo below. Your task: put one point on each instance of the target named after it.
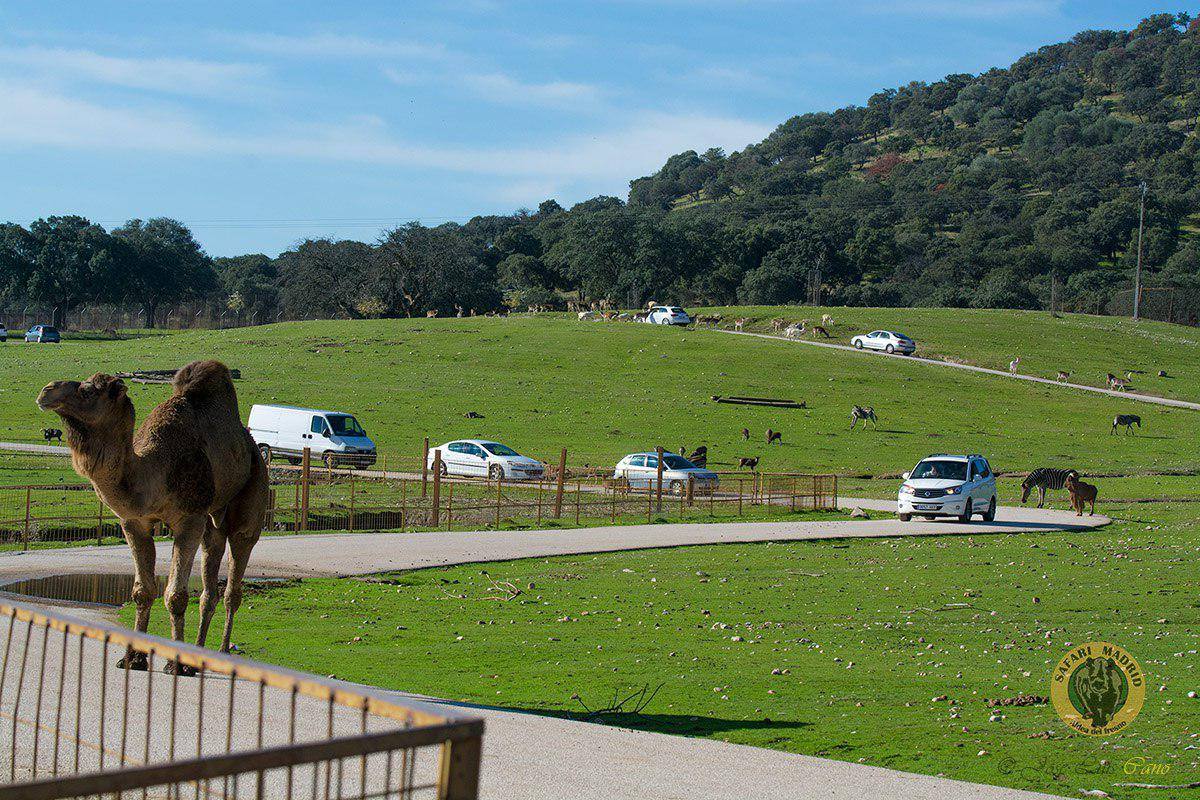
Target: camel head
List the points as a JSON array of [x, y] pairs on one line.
[[101, 400]]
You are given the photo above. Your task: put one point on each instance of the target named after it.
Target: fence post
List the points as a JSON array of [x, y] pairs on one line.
[[25, 535], [449, 505], [99, 521], [459, 769], [658, 482], [578, 490], [691, 489], [425, 467], [741, 488], [540, 491], [437, 487], [305, 474], [271, 509], [614, 503], [498, 498], [352, 501], [562, 473]]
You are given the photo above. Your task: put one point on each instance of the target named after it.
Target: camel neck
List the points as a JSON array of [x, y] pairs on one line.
[[101, 453]]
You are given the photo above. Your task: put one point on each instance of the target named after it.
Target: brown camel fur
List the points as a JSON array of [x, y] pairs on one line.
[[192, 466]]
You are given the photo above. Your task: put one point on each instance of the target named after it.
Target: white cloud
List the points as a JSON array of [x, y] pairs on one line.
[[175, 75], [603, 160], [503, 89], [330, 45]]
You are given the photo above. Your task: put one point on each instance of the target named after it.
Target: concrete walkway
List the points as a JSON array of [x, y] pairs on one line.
[[524, 753], [1143, 398]]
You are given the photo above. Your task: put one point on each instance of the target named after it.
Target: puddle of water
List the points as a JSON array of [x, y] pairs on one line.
[[92, 588]]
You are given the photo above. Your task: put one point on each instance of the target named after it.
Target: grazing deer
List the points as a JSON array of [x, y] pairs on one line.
[[748, 463], [1012, 365], [864, 413], [774, 436], [738, 324], [819, 330], [746, 434], [51, 433], [1081, 494], [793, 332], [699, 456], [431, 313], [458, 310], [1127, 420], [826, 319], [1120, 385], [1063, 376], [778, 324]]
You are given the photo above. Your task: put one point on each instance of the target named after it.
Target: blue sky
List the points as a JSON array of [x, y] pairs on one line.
[[261, 123]]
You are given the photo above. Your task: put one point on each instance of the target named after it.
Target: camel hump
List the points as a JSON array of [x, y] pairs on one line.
[[205, 381]]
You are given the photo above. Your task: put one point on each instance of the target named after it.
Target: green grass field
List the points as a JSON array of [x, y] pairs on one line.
[[605, 389], [835, 649]]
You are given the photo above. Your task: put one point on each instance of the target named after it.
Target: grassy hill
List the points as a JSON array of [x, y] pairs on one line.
[[604, 389]]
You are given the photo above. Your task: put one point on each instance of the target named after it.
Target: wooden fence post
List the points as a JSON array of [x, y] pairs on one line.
[[578, 491], [352, 501], [498, 499], [25, 535], [449, 505], [562, 474], [658, 482], [437, 487], [99, 521], [425, 466], [305, 475], [691, 489]]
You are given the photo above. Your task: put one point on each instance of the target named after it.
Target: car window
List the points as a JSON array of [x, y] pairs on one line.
[[476, 450], [317, 425], [652, 462], [677, 462], [946, 470], [985, 469], [345, 425], [457, 447], [495, 448], [637, 461]]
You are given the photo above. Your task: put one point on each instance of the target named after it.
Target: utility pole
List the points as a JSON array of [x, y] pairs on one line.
[[1137, 277]]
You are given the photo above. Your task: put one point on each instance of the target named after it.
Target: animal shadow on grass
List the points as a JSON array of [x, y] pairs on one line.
[[677, 724], [901, 433]]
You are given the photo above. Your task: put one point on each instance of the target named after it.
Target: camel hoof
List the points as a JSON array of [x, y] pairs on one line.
[[176, 668], [134, 660]]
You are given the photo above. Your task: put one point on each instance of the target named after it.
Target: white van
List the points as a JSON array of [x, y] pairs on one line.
[[333, 437]]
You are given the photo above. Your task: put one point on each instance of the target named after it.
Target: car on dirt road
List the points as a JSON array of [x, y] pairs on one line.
[[483, 458], [944, 485], [640, 470], [885, 341], [332, 438], [43, 333], [3, 333]]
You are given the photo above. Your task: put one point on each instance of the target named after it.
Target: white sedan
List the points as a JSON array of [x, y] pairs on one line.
[[887, 341], [668, 315], [485, 459]]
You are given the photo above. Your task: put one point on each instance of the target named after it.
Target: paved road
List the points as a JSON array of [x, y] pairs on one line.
[[524, 754], [1144, 398]]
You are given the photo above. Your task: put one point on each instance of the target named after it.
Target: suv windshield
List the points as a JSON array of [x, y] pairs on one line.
[[345, 425], [677, 462], [947, 470], [497, 449]]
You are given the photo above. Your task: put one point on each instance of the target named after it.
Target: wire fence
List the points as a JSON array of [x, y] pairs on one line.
[[45, 506], [85, 709]]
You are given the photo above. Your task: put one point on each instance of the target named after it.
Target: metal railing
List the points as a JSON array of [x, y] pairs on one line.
[[76, 722]]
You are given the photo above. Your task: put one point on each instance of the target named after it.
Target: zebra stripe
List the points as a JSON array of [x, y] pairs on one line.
[[1047, 477]]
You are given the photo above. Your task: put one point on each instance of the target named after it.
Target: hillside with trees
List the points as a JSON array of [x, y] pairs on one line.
[[989, 190]]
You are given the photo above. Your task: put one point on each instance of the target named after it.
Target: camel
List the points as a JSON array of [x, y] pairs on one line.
[[192, 466]]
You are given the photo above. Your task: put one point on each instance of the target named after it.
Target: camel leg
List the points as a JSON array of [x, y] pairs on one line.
[[210, 571], [188, 535], [140, 538], [239, 558]]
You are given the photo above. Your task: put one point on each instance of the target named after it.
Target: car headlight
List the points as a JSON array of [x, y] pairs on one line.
[[906, 489], [954, 490]]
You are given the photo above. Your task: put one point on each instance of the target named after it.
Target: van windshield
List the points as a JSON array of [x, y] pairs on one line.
[[948, 470], [345, 425]]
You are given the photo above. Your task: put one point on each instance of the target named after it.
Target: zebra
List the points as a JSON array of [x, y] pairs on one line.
[[1044, 478], [864, 413], [1128, 420]]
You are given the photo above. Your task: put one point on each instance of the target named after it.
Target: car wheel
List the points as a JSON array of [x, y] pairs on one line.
[[676, 487], [905, 517], [496, 472], [889, 349], [264, 450], [294, 460], [966, 515], [858, 344], [990, 514], [442, 469], [329, 461]]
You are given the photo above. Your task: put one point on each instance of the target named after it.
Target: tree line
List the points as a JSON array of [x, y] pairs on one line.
[[977, 190]]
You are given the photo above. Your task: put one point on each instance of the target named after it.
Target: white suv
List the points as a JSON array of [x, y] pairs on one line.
[[948, 486]]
